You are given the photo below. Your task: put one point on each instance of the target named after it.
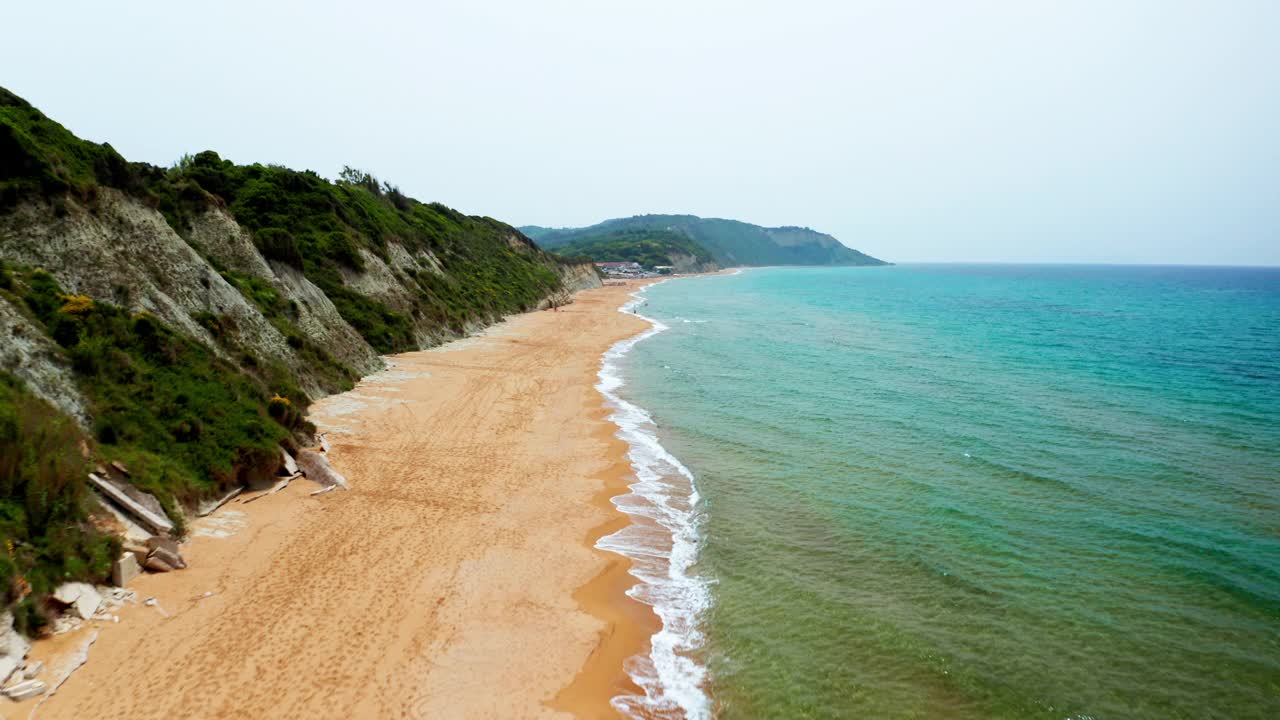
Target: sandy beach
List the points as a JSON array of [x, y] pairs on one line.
[[456, 579]]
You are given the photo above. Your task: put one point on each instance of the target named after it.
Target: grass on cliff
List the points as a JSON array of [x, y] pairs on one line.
[[482, 268], [44, 524], [331, 373], [187, 423], [329, 230], [37, 155]]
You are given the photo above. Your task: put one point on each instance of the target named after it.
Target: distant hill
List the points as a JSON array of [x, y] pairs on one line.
[[730, 242], [646, 246], [535, 232]]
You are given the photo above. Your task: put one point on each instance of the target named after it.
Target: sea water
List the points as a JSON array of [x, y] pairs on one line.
[[956, 492]]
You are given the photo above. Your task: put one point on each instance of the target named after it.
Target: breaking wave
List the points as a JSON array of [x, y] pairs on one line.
[[662, 544]]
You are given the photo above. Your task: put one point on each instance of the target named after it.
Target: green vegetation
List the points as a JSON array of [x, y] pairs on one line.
[[187, 421], [332, 374], [729, 242], [647, 246], [156, 391], [39, 156], [47, 537], [325, 229]]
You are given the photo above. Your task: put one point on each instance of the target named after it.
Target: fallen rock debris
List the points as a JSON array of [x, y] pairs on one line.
[[25, 690], [124, 569], [317, 468]]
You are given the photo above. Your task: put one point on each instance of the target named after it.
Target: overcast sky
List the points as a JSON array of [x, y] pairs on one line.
[[1112, 131]]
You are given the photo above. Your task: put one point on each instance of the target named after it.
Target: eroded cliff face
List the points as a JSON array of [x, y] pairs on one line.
[[119, 250], [689, 264], [217, 236], [580, 276], [30, 355], [123, 252]]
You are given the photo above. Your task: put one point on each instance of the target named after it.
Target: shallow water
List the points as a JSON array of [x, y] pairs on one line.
[[965, 491]]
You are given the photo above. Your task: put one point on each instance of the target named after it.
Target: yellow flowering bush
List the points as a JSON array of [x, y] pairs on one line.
[[75, 304]]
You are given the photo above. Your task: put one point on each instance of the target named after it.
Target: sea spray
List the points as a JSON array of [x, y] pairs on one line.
[[662, 544]]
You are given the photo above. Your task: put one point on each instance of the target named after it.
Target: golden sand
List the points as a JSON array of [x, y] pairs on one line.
[[456, 579]]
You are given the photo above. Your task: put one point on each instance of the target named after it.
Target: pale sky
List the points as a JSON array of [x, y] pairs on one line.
[[1082, 131]]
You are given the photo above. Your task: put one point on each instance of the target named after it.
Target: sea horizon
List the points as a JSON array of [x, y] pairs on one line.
[[666, 361]]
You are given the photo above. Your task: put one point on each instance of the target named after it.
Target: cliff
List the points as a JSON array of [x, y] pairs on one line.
[[179, 320], [320, 277]]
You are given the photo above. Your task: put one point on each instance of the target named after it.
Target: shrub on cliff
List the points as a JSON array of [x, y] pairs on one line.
[[156, 392], [278, 244], [481, 269], [43, 520]]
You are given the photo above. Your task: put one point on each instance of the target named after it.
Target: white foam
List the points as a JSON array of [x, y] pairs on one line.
[[662, 544]]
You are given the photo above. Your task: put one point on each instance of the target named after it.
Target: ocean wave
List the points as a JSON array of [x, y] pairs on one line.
[[662, 543]]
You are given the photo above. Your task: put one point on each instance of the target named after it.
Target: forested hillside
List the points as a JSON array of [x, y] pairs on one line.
[[730, 242], [651, 248]]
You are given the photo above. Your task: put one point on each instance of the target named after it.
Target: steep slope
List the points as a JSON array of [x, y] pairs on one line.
[[650, 248], [730, 242], [315, 275], [43, 513], [180, 321]]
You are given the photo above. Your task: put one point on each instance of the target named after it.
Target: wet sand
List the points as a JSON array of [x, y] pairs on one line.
[[456, 579]]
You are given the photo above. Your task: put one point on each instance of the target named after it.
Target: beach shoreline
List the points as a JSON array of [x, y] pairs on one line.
[[459, 576]]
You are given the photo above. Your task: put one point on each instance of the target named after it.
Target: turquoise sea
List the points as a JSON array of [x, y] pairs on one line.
[[957, 491]]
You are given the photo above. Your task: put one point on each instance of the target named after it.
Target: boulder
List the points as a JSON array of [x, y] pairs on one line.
[[9, 666], [25, 689], [172, 559], [155, 564], [119, 475], [139, 549], [286, 460], [32, 669], [66, 593], [164, 541], [88, 603], [129, 530], [124, 569], [317, 468], [12, 643], [167, 549], [156, 522], [82, 598]]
